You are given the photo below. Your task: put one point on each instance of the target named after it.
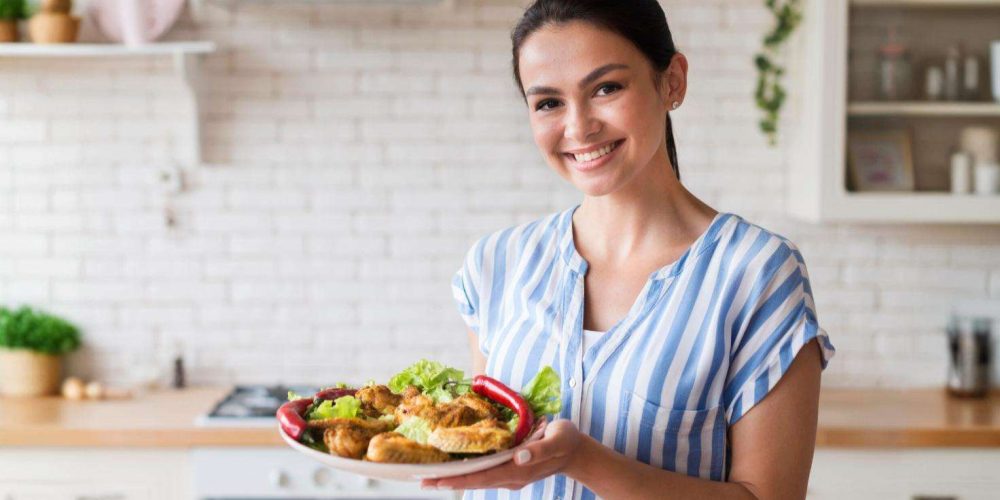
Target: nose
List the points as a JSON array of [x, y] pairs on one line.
[[580, 124]]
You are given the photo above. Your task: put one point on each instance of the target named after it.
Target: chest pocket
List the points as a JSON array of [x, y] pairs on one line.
[[691, 442]]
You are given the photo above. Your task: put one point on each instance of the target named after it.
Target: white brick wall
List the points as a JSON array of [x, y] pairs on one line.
[[356, 153]]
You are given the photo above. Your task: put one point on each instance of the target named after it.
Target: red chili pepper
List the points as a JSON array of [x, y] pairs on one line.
[[290, 417], [333, 393], [496, 390]]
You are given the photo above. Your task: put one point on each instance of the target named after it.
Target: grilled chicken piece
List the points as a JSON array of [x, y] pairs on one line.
[[393, 447], [481, 437], [348, 437], [418, 406], [483, 408], [378, 398], [410, 392], [455, 415]]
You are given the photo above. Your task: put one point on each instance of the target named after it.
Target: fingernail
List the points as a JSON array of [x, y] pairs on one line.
[[522, 457]]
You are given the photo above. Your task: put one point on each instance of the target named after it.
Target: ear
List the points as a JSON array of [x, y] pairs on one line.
[[673, 81]]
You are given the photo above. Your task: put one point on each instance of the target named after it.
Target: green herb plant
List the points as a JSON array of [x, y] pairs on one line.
[[12, 10], [770, 93], [25, 328]]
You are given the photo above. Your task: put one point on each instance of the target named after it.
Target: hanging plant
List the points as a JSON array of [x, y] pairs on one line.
[[770, 93]]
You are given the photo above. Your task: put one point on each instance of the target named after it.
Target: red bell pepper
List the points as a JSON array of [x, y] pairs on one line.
[[495, 390], [291, 418]]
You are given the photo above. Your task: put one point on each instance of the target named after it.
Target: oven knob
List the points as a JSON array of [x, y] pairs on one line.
[[278, 478], [321, 477]]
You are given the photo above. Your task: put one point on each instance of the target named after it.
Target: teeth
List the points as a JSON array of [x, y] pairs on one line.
[[593, 155]]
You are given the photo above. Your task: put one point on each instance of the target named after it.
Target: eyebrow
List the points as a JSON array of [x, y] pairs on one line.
[[587, 80]]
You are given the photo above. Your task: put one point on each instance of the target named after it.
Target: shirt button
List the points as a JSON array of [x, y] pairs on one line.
[[572, 382]]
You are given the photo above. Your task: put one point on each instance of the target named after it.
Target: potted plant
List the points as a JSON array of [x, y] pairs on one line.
[[11, 11], [31, 347]]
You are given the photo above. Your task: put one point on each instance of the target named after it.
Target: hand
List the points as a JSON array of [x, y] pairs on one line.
[[533, 461]]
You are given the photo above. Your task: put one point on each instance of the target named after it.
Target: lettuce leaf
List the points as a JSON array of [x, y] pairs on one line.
[[415, 428], [544, 392], [441, 383], [343, 407]]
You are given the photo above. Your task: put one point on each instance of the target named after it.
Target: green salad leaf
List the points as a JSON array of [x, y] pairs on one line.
[[415, 428], [441, 383], [343, 407], [544, 392]]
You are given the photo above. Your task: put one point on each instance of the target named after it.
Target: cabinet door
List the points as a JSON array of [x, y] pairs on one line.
[[962, 474], [94, 474]]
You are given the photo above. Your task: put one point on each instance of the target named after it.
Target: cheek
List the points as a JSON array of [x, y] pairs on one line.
[[547, 134]]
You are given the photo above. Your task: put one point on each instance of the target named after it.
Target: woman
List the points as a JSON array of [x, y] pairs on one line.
[[667, 321]]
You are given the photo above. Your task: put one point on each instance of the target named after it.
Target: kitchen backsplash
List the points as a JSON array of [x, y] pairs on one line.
[[355, 152]]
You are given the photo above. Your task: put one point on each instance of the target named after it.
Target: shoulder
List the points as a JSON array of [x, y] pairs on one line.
[[754, 250], [519, 239]]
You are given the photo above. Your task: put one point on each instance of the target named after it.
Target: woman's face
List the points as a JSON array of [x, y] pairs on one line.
[[595, 111]]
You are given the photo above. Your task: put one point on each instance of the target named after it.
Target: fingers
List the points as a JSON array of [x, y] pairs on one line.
[[559, 439], [507, 476]]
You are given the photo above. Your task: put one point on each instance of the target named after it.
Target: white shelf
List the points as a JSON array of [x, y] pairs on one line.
[[27, 49], [948, 4], [924, 207], [917, 108], [186, 56]]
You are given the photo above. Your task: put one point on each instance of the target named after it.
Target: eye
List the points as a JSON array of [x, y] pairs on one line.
[[544, 105], [609, 88]]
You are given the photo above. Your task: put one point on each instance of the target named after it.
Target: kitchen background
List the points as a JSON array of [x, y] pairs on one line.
[[353, 154]]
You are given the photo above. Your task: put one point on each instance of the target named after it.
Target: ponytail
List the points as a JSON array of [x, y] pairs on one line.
[[672, 148]]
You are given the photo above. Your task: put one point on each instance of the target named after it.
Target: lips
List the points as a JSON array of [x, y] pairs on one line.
[[594, 157]]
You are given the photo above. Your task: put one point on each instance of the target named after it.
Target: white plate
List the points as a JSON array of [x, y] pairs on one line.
[[409, 472]]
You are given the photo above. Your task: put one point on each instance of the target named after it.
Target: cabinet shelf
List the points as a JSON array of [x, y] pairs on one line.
[[103, 49], [917, 108], [186, 57]]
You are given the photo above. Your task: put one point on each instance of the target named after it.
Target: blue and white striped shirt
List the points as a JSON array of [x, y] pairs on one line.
[[707, 338]]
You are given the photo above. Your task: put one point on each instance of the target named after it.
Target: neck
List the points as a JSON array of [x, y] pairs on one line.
[[653, 213]]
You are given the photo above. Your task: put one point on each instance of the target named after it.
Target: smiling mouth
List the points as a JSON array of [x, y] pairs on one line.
[[596, 154]]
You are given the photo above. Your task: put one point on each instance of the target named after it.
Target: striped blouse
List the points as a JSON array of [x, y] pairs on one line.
[[707, 338]]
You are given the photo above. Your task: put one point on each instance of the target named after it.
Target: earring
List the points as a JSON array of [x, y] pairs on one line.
[[675, 105]]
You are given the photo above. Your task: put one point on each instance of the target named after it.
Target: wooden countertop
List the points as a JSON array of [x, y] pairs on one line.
[[848, 418]]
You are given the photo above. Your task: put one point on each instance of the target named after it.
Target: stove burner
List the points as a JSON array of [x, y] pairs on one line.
[[256, 401]]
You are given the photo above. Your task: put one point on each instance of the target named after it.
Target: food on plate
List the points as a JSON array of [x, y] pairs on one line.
[[427, 413]]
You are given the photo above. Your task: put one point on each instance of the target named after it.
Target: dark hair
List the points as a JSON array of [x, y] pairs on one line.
[[641, 22]]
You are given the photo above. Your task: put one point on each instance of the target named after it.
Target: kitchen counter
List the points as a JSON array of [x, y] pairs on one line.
[[848, 418]]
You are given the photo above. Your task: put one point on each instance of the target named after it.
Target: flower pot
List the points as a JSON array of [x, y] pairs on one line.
[[28, 373], [49, 27], [8, 31]]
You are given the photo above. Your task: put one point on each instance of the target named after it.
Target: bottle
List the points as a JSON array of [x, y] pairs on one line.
[[970, 78], [961, 172], [895, 78], [952, 82], [935, 83]]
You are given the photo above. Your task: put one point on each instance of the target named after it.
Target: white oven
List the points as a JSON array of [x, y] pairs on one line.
[[275, 473]]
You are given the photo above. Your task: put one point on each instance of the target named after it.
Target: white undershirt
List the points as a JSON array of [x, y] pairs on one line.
[[589, 337]]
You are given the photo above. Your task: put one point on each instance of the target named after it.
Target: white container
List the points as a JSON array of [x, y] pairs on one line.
[[961, 173], [134, 21], [987, 176], [995, 68]]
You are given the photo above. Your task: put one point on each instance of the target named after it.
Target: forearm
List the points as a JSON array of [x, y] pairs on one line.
[[614, 476]]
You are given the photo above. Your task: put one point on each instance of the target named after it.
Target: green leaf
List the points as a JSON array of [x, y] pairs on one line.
[[432, 378], [415, 428], [37, 331], [343, 407], [544, 392]]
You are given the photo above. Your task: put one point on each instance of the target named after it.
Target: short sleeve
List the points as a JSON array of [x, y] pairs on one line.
[[775, 321], [465, 287]]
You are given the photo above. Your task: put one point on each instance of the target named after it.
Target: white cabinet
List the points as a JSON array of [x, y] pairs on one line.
[[94, 474], [832, 66], [910, 474]]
